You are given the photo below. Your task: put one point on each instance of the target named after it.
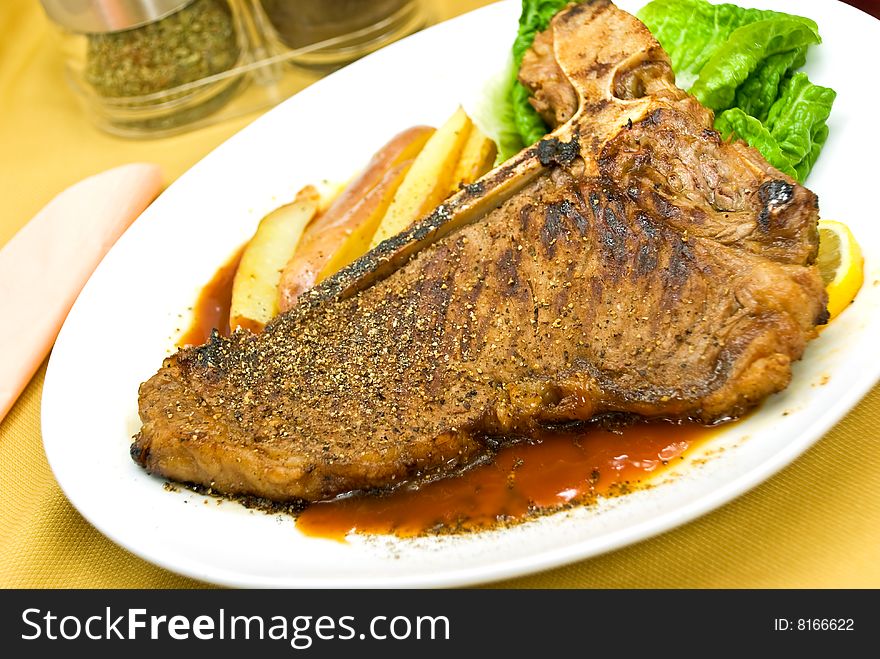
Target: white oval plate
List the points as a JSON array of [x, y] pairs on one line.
[[127, 317]]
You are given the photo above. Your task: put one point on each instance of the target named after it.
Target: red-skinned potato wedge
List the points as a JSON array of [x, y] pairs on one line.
[[477, 158], [429, 179], [371, 209], [325, 234], [255, 286], [330, 191]]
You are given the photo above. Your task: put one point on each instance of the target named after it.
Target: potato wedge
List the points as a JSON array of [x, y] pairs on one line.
[[429, 179], [324, 236], [255, 286], [477, 158], [329, 191], [370, 210]]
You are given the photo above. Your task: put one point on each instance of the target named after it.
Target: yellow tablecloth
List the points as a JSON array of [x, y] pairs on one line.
[[816, 524]]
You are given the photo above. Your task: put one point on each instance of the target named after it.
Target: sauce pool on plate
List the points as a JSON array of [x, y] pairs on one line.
[[211, 310], [555, 470]]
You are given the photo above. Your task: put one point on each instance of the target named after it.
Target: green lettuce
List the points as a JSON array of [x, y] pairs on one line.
[[757, 94], [535, 17], [803, 168], [529, 124], [795, 129], [797, 117], [744, 51], [692, 30], [711, 46]]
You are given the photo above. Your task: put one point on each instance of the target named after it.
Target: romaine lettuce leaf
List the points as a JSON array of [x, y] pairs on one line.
[[795, 130], [805, 166], [757, 94], [741, 63], [796, 117], [744, 51], [692, 30]]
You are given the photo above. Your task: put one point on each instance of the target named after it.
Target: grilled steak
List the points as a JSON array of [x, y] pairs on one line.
[[629, 263]]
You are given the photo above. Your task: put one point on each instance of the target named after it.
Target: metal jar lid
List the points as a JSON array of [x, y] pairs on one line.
[[98, 16]]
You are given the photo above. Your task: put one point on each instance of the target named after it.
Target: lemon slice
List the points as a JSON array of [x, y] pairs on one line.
[[840, 262]]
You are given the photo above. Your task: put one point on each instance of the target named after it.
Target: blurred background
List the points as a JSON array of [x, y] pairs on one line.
[[150, 68], [79, 94]]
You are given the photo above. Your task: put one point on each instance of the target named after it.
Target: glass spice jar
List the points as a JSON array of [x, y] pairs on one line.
[[329, 33], [148, 67]]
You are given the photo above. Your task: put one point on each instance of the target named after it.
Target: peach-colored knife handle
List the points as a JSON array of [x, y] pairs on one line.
[[46, 264]]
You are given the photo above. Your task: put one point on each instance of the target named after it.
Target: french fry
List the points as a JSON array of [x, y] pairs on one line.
[[429, 179], [371, 210], [323, 237], [255, 286], [477, 158]]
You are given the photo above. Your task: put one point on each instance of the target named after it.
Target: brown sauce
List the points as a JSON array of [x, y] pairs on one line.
[[211, 310], [555, 470]]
